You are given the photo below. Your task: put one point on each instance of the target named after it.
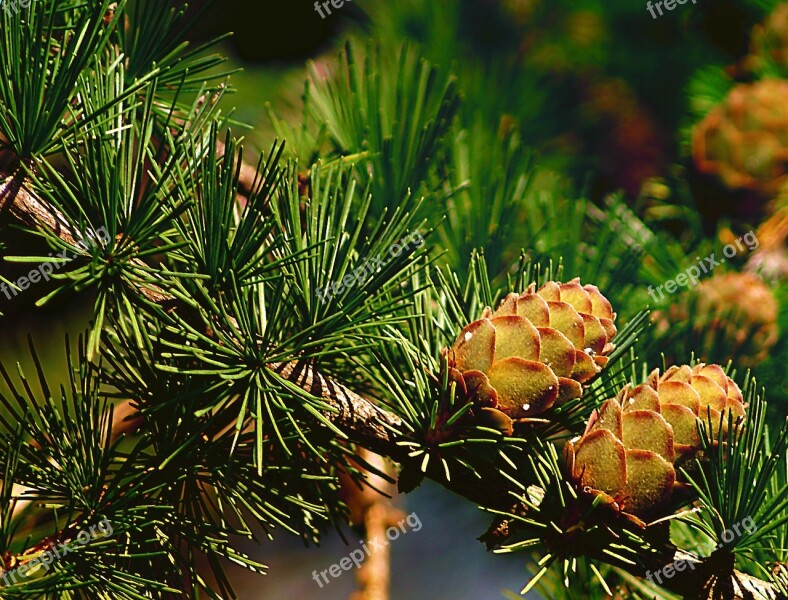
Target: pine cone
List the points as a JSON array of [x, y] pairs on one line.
[[535, 350], [770, 38], [630, 445], [770, 259], [730, 316], [744, 309], [744, 140]]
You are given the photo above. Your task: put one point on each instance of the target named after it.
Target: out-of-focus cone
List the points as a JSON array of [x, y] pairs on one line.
[[770, 259], [743, 141], [769, 41]]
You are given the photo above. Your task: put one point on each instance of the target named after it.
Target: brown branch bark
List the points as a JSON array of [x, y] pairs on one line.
[[30, 210], [378, 430], [710, 578]]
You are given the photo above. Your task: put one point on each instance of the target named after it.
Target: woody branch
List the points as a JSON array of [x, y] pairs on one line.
[[370, 426]]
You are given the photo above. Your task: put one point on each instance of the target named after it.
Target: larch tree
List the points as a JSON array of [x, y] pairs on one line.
[[390, 278]]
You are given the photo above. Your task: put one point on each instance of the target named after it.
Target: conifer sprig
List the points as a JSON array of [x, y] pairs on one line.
[[253, 327], [44, 51]]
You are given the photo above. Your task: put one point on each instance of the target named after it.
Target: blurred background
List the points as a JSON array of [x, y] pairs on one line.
[[683, 119]]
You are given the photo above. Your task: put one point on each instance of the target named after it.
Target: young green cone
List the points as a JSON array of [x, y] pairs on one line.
[[628, 450], [537, 349]]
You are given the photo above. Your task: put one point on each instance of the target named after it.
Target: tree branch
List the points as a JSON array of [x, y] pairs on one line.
[[376, 429], [710, 578], [363, 421]]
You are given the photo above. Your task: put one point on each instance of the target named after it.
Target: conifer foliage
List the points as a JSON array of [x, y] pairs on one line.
[[257, 321]]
